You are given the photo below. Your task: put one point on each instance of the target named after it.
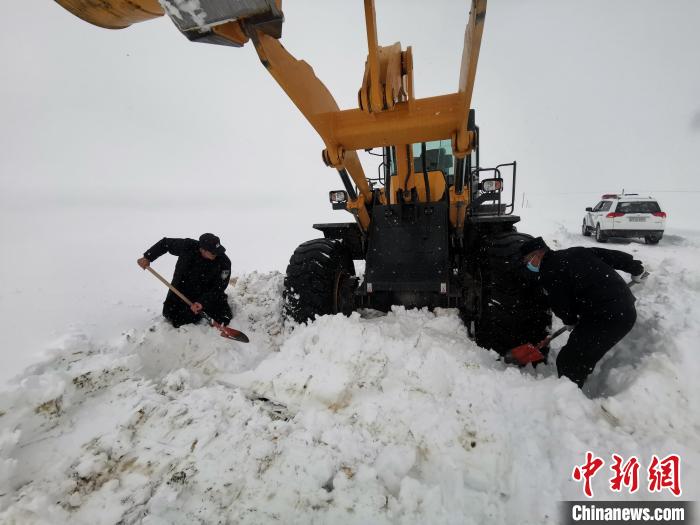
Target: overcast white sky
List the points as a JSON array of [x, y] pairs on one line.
[[586, 95]]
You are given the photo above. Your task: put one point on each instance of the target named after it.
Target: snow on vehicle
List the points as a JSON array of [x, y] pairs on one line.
[[625, 215]]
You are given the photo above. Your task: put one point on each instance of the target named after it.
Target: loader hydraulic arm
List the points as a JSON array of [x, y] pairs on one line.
[[389, 115], [317, 104]]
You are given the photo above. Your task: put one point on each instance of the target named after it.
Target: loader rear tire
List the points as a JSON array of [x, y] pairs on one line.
[[320, 280], [513, 308]]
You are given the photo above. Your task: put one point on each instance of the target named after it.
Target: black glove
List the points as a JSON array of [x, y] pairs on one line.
[[637, 268]]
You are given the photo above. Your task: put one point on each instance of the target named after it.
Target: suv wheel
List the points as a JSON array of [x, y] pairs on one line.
[[652, 239], [599, 235], [584, 229]]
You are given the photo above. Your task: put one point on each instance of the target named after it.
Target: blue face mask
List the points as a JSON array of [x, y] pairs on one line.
[[532, 267]]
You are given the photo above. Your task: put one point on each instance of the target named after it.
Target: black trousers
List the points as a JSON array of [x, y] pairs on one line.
[[178, 313], [595, 334]]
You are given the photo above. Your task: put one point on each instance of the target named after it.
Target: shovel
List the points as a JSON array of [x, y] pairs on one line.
[[529, 353], [228, 333]]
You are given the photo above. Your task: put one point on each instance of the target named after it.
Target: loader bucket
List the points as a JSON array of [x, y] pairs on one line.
[[209, 21], [113, 14], [220, 21]]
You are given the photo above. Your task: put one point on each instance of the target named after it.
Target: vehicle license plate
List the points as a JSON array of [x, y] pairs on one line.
[[637, 219]]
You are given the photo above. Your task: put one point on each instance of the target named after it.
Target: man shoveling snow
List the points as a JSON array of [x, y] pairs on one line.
[[202, 273], [589, 296]]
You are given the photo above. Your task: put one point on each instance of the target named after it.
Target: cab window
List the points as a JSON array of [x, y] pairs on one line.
[[438, 154], [605, 205]]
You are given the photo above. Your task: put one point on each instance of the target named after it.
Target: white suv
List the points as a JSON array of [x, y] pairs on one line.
[[625, 215]]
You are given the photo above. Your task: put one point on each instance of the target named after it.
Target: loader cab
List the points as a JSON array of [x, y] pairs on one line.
[[433, 179], [439, 171], [442, 171], [438, 156]]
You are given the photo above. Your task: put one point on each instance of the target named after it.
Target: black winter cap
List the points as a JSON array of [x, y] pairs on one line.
[[532, 245], [211, 243]]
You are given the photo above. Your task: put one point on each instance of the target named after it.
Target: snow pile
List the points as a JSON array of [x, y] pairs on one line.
[[395, 418]]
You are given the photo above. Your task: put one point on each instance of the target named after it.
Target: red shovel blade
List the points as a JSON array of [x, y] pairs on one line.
[[524, 354], [231, 333]]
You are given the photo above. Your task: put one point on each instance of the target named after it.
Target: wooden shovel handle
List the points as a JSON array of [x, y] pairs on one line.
[[166, 283], [227, 332], [550, 337]]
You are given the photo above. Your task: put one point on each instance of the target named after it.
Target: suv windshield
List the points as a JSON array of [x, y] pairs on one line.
[[638, 207]]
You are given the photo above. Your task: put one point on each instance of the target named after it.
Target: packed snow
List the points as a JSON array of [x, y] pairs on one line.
[[373, 418], [192, 8]]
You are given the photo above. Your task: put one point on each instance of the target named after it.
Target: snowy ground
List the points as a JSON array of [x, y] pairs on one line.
[[368, 419]]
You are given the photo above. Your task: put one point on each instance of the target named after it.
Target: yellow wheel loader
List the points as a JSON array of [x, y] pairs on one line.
[[434, 227]]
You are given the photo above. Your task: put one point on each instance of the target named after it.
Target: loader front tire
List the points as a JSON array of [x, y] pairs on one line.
[[513, 309], [320, 280]]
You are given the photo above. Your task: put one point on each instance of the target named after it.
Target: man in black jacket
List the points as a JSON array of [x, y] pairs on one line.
[[201, 273], [588, 295]]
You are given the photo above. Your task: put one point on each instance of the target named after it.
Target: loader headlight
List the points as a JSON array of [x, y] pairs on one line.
[[491, 185], [338, 199]]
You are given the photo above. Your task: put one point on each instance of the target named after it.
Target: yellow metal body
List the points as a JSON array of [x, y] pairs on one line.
[[388, 112], [113, 14]]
